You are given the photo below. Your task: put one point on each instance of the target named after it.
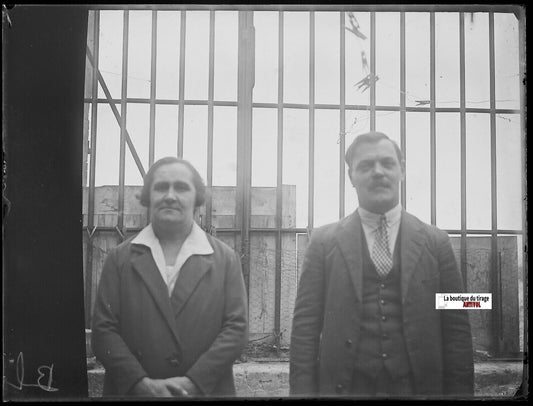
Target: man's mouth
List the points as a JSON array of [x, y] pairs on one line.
[[379, 186]]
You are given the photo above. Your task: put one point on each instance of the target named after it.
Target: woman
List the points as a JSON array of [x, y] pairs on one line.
[[171, 312]]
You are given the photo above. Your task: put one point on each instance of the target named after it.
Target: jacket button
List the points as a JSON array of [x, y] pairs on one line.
[[348, 343], [382, 286], [339, 388], [384, 356], [382, 301], [174, 361], [383, 318]]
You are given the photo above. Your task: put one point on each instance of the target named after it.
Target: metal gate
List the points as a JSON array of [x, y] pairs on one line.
[[280, 239]]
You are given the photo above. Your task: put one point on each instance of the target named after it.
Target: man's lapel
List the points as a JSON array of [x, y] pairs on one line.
[[190, 275], [351, 246], [412, 242], [145, 266]]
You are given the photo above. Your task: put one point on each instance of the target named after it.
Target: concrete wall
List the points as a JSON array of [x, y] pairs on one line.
[[479, 280]]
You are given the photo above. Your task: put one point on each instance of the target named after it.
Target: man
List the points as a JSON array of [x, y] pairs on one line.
[[171, 312], [365, 322]]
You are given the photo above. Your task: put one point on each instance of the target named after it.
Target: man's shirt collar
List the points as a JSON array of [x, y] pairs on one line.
[[371, 219]]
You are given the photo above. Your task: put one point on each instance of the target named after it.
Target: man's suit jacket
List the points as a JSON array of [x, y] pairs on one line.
[[327, 315], [138, 332]]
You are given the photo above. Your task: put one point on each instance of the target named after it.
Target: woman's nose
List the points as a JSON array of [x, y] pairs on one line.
[[171, 194]]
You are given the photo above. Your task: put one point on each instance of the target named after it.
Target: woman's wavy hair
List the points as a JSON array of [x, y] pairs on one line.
[[197, 180]]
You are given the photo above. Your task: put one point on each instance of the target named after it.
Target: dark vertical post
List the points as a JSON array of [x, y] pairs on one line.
[[43, 71]]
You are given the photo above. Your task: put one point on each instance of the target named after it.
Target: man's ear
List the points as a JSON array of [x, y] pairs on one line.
[[350, 176]]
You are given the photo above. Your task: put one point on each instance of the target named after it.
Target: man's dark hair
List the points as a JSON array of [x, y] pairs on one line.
[[196, 179], [369, 137]]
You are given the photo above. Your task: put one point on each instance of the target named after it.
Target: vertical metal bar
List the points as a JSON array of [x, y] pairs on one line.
[[499, 303], [433, 121], [153, 70], [210, 114], [372, 71], [244, 135], [462, 105], [523, 131], [403, 118], [495, 269], [123, 111], [279, 187], [181, 105], [310, 213], [92, 173], [241, 126], [342, 118]]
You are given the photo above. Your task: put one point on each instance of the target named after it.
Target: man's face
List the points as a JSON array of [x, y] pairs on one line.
[[376, 173], [172, 196]]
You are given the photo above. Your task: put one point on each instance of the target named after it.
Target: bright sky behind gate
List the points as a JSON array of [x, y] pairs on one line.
[[327, 91]]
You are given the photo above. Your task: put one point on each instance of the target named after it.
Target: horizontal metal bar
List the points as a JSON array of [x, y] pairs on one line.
[[500, 8], [301, 230], [316, 106], [487, 232], [385, 108], [167, 101]]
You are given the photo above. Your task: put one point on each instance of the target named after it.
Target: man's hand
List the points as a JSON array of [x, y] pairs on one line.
[[170, 387]]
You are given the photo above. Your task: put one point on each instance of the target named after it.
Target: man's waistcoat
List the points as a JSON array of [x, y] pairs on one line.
[[381, 343]]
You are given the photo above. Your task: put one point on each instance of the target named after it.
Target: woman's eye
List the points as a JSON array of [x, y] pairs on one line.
[[183, 187]]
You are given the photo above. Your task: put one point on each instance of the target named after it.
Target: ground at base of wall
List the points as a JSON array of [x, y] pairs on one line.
[[267, 378], [264, 351]]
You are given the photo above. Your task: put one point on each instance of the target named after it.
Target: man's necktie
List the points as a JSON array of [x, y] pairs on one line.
[[381, 255]]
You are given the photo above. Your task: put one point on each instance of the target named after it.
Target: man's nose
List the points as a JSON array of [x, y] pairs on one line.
[[378, 169]]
